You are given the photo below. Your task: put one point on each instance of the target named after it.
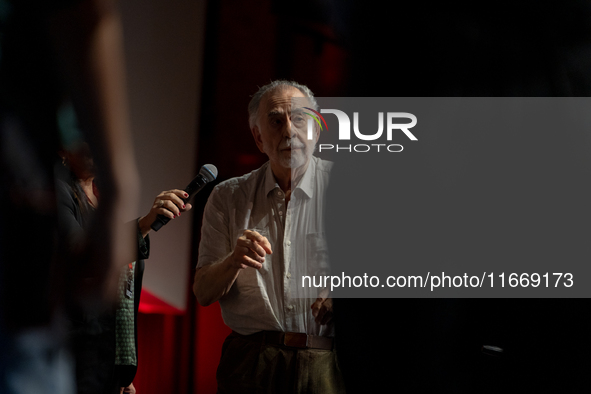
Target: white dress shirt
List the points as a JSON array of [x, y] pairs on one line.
[[272, 297]]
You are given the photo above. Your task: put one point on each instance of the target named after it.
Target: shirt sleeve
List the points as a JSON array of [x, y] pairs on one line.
[[215, 242]]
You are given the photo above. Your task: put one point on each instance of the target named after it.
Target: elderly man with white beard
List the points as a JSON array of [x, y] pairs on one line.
[[260, 232]]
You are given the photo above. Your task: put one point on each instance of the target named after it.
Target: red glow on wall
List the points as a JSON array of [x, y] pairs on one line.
[[172, 356], [149, 303]]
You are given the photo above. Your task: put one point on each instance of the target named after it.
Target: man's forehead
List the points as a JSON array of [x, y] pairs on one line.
[[279, 100]]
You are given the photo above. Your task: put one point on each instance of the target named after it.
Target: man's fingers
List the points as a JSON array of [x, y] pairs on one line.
[[245, 256], [320, 314], [248, 252], [253, 246], [316, 306], [326, 318], [254, 256], [266, 245], [253, 235], [318, 302], [322, 310], [259, 239], [252, 263], [249, 262]]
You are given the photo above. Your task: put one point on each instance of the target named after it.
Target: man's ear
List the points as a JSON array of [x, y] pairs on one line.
[[256, 133]]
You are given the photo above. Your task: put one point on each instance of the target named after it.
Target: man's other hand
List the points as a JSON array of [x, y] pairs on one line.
[[250, 250], [322, 310]]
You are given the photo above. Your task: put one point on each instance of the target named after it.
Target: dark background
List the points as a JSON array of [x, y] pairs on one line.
[[498, 49]]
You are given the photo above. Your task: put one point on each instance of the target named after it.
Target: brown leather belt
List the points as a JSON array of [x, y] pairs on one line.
[[292, 339]]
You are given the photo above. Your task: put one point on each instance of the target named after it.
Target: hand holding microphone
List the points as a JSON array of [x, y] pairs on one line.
[[169, 204]]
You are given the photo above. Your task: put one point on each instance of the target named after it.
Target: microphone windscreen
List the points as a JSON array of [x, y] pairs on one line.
[[209, 171]]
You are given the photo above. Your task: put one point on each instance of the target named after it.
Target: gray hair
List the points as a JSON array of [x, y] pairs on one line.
[[253, 106]]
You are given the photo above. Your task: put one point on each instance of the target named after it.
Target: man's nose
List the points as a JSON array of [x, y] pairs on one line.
[[288, 129]]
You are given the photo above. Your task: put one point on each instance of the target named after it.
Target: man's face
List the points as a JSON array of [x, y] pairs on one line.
[[281, 134]]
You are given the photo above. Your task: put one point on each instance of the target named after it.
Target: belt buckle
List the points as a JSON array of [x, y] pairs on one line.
[[295, 339]]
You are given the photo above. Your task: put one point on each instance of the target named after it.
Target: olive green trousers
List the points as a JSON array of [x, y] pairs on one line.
[[249, 365]]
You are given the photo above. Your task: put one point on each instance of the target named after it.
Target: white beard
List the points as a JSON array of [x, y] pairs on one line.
[[298, 157]]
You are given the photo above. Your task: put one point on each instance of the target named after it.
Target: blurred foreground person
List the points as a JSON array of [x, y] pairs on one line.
[[50, 50], [105, 341]]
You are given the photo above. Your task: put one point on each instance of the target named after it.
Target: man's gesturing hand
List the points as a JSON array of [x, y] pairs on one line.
[[250, 250]]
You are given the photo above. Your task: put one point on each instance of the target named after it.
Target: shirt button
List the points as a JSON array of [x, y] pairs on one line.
[[280, 213], [279, 194], [290, 307], [288, 275], [288, 243]]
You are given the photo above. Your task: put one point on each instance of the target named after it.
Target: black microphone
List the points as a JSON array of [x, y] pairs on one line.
[[207, 174]]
